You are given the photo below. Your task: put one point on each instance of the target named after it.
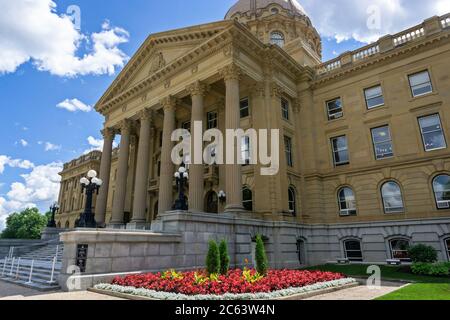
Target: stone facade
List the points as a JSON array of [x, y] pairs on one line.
[[267, 55]]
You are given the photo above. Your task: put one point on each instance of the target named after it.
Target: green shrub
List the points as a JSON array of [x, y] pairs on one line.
[[213, 258], [431, 269], [224, 258], [260, 256], [422, 253]]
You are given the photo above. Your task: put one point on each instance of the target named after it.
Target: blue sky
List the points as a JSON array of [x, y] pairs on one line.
[[35, 77]]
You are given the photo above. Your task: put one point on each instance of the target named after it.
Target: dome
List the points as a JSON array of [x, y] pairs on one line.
[[252, 7]]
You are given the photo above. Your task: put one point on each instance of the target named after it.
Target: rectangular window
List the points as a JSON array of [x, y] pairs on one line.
[[245, 150], [420, 83], [382, 143], [374, 97], [334, 109], [288, 151], [244, 108], [285, 109], [432, 134], [211, 118], [340, 151]]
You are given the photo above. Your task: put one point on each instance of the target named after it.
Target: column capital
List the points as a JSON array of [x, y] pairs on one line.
[[231, 72], [198, 88], [169, 103], [145, 115], [108, 133], [125, 126]]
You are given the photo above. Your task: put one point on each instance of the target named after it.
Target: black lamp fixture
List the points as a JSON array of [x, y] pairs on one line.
[[181, 177], [53, 209], [89, 185]]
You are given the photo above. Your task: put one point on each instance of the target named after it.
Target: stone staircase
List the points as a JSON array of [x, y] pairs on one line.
[[34, 267]]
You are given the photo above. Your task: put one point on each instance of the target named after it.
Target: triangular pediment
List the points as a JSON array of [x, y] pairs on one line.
[[158, 51]]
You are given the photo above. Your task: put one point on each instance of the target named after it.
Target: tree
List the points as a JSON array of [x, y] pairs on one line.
[[224, 258], [213, 258], [260, 256], [27, 224]]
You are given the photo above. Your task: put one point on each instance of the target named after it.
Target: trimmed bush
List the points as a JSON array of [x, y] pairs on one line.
[[213, 258], [224, 258], [422, 253], [431, 269], [260, 256]]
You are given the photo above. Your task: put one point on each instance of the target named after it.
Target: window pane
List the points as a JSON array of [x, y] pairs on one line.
[[247, 199], [288, 150], [392, 197], [334, 108], [374, 97], [441, 188], [353, 250], [277, 38], [244, 108], [420, 83], [285, 109], [347, 202], [432, 134], [340, 150], [399, 249]]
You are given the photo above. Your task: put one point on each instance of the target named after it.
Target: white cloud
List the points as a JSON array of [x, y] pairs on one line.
[[23, 142], [52, 147], [351, 19], [32, 31], [39, 188], [74, 105], [96, 144], [14, 163]]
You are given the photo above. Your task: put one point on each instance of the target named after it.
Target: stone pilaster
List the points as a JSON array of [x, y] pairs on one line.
[[196, 171], [105, 173], [142, 170], [165, 200], [231, 75], [122, 173]]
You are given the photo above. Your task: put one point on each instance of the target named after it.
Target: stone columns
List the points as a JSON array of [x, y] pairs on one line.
[[231, 75], [142, 169], [122, 174], [196, 171], [165, 200], [105, 173]]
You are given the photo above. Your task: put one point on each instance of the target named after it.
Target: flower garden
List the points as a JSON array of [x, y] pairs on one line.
[[219, 282]]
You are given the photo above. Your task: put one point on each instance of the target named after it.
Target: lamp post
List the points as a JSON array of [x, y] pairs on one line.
[[181, 177], [89, 185], [222, 196], [53, 209]]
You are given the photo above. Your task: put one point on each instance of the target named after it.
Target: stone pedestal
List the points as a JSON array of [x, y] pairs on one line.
[[51, 233]]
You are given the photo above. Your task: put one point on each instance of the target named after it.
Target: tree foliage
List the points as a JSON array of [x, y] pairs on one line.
[[213, 258], [27, 224], [260, 256], [422, 253], [224, 257]]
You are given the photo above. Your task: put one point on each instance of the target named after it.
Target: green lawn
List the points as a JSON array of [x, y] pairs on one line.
[[422, 287]]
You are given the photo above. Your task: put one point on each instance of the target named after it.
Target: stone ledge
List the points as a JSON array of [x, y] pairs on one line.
[[99, 236]]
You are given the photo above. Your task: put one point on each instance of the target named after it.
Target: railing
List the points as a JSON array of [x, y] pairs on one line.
[[428, 27]]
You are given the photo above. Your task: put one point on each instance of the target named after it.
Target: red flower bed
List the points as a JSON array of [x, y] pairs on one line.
[[194, 283]]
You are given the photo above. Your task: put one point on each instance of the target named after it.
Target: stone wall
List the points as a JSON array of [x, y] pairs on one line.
[[180, 240]]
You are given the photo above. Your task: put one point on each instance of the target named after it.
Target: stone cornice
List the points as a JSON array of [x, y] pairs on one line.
[[380, 58]]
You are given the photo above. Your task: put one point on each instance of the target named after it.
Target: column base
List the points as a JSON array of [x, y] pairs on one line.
[[234, 208], [139, 225], [115, 225]]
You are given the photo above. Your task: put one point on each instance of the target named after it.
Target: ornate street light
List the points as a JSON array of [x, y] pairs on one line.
[[181, 177], [53, 209], [89, 185]]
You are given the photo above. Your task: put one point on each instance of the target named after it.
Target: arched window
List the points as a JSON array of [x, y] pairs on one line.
[[347, 202], [212, 202], [247, 199], [399, 249], [277, 38], [441, 188], [392, 197], [292, 195], [67, 225], [352, 249]]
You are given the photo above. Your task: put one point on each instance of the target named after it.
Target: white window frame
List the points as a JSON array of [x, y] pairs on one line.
[[383, 197], [347, 212], [441, 130], [375, 144], [440, 204], [336, 151], [346, 250], [380, 95], [412, 87], [285, 109], [336, 115], [392, 251]]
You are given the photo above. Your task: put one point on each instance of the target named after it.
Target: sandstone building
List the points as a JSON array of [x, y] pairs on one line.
[[364, 138]]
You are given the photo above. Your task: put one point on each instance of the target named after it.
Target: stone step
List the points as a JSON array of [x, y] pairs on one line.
[[34, 285]]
